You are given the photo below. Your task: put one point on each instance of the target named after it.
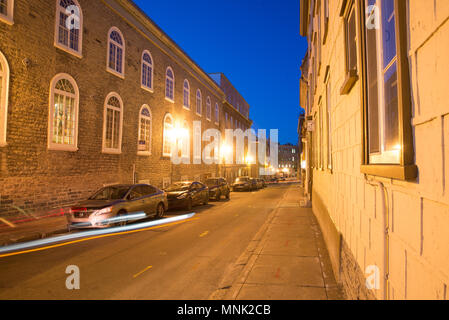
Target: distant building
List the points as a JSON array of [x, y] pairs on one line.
[[288, 159]]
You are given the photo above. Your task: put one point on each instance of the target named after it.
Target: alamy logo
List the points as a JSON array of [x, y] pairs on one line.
[[73, 280], [73, 20], [372, 277], [372, 17]]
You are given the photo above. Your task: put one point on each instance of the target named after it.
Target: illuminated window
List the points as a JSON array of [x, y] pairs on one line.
[[7, 11], [208, 109], [116, 52], [147, 71], [186, 95], [69, 26], [63, 113], [217, 113], [199, 102], [170, 85], [144, 143], [167, 135], [350, 47], [4, 92], [113, 121]]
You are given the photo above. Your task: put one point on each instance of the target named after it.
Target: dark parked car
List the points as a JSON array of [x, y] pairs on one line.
[[262, 183], [218, 187], [110, 205], [187, 194], [244, 184]]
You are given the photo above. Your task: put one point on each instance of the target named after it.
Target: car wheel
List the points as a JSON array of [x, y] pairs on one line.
[[121, 223], [228, 196], [189, 204], [218, 196], [160, 211], [206, 201]]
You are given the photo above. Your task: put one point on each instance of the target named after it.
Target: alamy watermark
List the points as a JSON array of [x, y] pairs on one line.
[[372, 277], [73, 280], [373, 17]]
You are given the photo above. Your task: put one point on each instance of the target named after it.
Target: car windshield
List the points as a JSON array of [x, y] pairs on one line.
[[110, 193], [212, 182], [179, 186], [241, 180]]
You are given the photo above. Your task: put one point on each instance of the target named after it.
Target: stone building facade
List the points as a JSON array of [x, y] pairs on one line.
[[91, 94], [377, 142], [288, 159]]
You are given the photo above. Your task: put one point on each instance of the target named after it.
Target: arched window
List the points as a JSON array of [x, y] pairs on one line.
[[116, 52], [170, 85], [186, 100], [208, 109], [7, 11], [145, 129], [63, 113], [199, 102], [69, 26], [167, 135], [217, 113], [4, 93], [147, 70], [113, 121]]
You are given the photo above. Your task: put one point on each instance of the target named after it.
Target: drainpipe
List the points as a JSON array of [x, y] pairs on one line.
[[386, 237]]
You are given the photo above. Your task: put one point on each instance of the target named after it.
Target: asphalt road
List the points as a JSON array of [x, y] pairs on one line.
[[183, 261]]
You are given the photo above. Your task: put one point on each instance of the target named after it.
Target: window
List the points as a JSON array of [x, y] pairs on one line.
[[113, 121], [386, 92], [4, 93], [217, 113], [69, 26], [167, 135], [208, 109], [326, 19], [7, 11], [350, 46], [145, 129], [116, 52], [199, 102], [147, 71], [63, 114], [170, 85], [186, 98], [328, 124]]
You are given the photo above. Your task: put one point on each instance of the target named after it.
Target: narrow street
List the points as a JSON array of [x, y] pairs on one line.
[[184, 261]]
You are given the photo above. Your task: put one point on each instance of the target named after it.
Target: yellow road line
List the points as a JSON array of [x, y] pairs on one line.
[[93, 238], [146, 269], [204, 234]]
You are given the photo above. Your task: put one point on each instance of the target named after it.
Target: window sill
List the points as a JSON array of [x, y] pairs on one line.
[[147, 89], [187, 108], [199, 114], [169, 100], [144, 153], [217, 124], [69, 51], [6, 19], [58, 147], [115, 73], [210, 120], [398, 172], [3, 144], [111, 151], [350, 80]]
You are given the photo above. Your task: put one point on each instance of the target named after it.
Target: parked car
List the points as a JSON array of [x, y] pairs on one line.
[[244, 184], [187, 194], [263, 183], [106, 206], [218, 187]]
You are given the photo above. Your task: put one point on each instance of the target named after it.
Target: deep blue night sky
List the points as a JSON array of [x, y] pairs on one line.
[[255, 43]]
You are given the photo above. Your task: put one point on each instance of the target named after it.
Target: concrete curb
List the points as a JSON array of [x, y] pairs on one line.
[[32, 236]]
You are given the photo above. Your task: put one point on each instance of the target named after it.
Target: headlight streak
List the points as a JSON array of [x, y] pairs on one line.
[[42, 242]]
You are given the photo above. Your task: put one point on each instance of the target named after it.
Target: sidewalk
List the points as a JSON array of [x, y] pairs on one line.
[[32, 230], [288, 259]]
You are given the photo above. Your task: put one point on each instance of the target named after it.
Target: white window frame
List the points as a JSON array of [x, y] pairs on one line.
[[106, 107], [9, 17], [77, 53], [186, 91], [199, 103], [151, 66], [208, 109], [123, 47], [217, 113], [50, 144], [146, 152], [168, 98], [4, 99], [166, 134]]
